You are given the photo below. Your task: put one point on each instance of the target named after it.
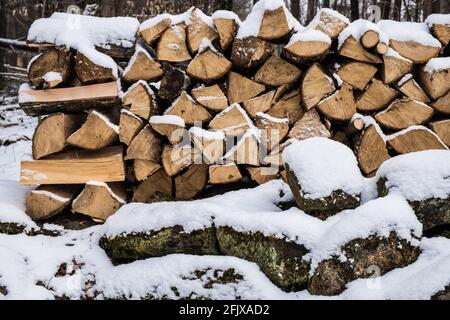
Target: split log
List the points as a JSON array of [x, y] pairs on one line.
[[145, 146], [153, 33], [442, 129], [48, 200], [172, 45], [404, 113], [171, 127], [441, 32], [410, 88], [415, 51], [340, 106], [442, 105], [52, 132], [352, 49], [143, 169], [227, 29], [142, 67], [191, 182], [233, 121], [376, 97], [370, 39], [100, 200], [274, 24], [198, 30], [222, 174], [288, 107], [262, 175], [382, 48], [315, 86], [50, 68], [303, 49], [250, 52], [211, 97], [241, 88], [355, 126], [435, 82], [96, 133], [175, 159], [90, 73], [394, 66], [104, 165], [139, 99], [208, 66], [357, 74], [190, 111], [70, 100], [276, 72], [157, 187], [273, 130], [261, 103], [246, 151], [414, 139], [129, 126], [309, 126], [209, 144], [330, 23], [371, 150], [173, 83]]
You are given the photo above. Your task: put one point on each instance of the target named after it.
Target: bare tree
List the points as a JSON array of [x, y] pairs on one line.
[[397, 10], [295, 9], [311, 10], [385, 9], [354, 6]]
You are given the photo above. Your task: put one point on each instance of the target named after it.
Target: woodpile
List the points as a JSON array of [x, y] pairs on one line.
[[206, 101]]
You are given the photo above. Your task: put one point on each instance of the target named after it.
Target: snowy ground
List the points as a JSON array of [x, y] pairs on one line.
[[74, 266]]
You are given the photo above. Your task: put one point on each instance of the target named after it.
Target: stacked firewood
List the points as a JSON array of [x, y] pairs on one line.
[[207, 101]]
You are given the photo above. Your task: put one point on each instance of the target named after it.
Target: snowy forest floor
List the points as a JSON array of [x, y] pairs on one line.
[[72, 265]]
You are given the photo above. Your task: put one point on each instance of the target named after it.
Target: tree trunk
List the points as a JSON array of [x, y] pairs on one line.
[[311, 10], [354, 4], [397, 11], [385, 9], [295, 8]]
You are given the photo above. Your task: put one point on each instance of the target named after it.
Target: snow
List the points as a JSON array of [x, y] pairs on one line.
[[323, 166], [339, 80], [207, 134], [358, 28], [436, 18], [252, 24], [52, 76], [437, 64], [408, 31], [206, 44], [128, 112], [175, 19], [309, 35], [168, 119], [134, 85], [270, 118], [404, 79], [392, 53], [12, 204], [418, 175], [225, 14], [51, 195], [32, 60], [317, 22], [85, 33]]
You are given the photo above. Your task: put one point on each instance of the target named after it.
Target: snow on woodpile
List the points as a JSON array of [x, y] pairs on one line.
[[252, 24], [309, 35], [322, 166], [85, 33], [316, 22], [418, 175], [408, 31], [437, 64], [225, 14], [437, 18], [358, 28]]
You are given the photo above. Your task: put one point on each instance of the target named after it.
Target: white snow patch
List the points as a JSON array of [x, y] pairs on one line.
[[52, 76], [168, 119], [437, 64], [408, 31], [418, 175], [207, 134], [358, 28], [225, 14], [404, 79], [12, 204], [309, 35], [437, 18], [51, 195]]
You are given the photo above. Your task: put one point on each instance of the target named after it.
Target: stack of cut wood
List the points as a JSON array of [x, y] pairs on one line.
[[207, 101]]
